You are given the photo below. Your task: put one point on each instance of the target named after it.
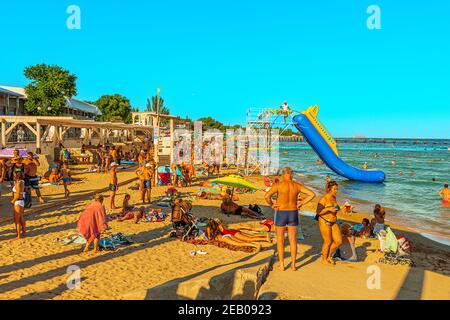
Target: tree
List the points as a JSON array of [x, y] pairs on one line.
[[114, 107], [211, 123], [157, 103], [50, 85]]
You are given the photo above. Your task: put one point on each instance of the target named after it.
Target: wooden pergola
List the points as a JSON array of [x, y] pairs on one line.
[[41, 126]]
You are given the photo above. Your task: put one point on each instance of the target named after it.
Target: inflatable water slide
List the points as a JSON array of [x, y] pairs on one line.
[[325, 146]]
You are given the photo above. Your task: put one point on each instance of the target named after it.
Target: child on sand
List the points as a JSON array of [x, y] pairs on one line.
[[113, 185], [346, 250], [378, 220], [66, 178]]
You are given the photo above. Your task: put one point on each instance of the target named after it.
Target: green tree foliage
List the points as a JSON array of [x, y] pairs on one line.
[[211, 123], [157, 103], [114, 108], [50, 85]]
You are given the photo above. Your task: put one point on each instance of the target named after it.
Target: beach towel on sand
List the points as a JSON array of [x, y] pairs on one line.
[[92, 221]]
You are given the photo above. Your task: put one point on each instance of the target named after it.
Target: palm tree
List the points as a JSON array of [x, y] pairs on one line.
[[157, 103]]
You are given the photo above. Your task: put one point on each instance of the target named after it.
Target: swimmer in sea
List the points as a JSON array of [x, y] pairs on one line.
[[394, 162], [365, 166], [445, 194]]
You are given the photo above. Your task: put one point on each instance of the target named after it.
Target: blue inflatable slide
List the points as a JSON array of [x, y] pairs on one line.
[[324, 145]]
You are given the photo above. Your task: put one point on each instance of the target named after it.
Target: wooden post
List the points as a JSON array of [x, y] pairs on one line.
[[38, 137], [172, 137], [7, 106], [3, 133]]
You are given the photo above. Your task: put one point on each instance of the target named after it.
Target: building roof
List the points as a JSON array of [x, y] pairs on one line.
[[13, 91], [83, 106], [71, 103]]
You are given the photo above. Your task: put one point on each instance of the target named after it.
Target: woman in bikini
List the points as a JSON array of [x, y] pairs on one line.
[[18, 202], [326, 214], [215, 231]]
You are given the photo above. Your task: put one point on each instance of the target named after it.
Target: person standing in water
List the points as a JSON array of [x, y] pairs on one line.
[[326, 215], [286, 212], [445, 194]]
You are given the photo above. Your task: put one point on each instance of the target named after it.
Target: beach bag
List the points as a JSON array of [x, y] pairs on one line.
[[388, 241], [404, 246]]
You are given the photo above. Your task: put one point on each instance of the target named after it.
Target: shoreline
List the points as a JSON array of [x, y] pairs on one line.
[[394, 216]]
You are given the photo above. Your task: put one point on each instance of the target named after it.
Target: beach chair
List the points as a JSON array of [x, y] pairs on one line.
[[183, 221]]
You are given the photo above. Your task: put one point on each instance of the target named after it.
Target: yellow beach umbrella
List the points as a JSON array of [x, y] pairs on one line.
[[235, 181]]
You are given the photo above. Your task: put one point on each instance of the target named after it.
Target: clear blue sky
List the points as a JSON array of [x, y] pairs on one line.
[[220, 57]]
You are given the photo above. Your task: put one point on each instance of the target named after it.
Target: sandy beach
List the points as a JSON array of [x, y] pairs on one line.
[[36, 267]]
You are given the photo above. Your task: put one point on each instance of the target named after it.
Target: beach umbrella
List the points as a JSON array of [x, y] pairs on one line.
[[235, 181], [9, 153]]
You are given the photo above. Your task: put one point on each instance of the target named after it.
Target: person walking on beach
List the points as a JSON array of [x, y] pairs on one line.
[[31, 178], [66, 177], [18, 203], [286, 212], [113, 185], [93, 222], [326, 214]]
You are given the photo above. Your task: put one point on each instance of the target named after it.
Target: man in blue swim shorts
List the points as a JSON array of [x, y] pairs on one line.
[[286, 212]]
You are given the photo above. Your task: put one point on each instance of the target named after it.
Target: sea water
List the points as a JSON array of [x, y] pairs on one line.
[[409, 192]]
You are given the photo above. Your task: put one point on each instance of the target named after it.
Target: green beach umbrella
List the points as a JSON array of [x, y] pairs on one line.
[[235, 181]]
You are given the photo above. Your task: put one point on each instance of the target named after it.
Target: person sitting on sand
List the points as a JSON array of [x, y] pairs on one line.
[[378, 220], [126, 204], [216, 231], [286, 212], [230, 207], [135, 215], [364, 229], [66, 177], [92, 222], [326, 214], [346, 251], [445, 194]]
